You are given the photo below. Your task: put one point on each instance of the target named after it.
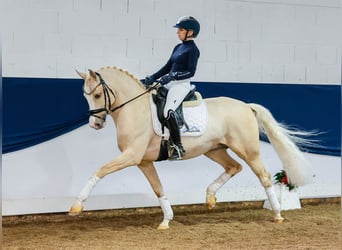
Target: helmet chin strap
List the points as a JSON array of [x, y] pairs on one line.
[[186, 36]]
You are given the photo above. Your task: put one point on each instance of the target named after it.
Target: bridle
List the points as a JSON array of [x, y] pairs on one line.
[[106, 92]]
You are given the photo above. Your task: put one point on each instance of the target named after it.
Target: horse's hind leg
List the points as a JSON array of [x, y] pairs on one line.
[[152, 176], [231, 167], [264, 176]]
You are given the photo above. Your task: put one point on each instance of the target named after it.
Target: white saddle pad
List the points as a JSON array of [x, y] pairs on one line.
[[195, 117]]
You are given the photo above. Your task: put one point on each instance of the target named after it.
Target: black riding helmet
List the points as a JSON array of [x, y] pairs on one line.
[[188, 23]]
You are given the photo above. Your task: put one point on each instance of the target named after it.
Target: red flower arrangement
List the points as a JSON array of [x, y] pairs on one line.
[[281, 178]]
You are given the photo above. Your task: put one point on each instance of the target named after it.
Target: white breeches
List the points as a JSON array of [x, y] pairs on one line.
[[177, 92]]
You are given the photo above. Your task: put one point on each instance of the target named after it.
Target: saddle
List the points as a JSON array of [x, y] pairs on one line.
[[160, 100]]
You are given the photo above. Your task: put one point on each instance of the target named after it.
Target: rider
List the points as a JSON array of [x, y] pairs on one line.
[[175, 75]]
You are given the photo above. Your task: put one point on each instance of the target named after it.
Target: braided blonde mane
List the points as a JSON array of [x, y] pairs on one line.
[[120, 70]]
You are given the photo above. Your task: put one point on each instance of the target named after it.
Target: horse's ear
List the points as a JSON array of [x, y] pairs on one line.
[[82, 75], [92, 74]]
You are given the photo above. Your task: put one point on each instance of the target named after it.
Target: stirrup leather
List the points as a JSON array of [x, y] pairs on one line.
[[177, 152]]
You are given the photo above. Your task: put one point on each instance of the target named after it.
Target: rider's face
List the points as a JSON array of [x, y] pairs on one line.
[[182, 34]]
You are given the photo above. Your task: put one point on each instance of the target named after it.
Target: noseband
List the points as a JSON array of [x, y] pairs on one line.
[[106, 92]]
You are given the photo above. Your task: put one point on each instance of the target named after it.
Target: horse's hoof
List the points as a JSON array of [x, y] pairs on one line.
[[75, 210], [279, 220], [211, 202], [74, 213], [71, 213], [163, 227]]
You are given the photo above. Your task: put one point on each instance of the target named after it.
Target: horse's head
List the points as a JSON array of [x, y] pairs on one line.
[[99, 96]]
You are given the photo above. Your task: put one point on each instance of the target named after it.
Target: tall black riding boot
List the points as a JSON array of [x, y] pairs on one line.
[[172, 125]]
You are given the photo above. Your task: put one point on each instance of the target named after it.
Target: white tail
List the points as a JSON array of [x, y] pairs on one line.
[[285, 141]]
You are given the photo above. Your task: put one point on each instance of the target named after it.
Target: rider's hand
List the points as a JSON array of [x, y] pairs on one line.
[[148, 81], [167, 78]]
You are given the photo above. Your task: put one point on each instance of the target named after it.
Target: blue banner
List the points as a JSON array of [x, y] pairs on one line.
[[39, 109]]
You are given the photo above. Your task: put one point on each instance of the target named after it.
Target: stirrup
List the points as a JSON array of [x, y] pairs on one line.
[[177, 153]]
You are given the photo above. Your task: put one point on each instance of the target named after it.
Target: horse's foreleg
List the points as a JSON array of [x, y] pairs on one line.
[[231, 167], [152, 176], [77, 206], [124, 160]]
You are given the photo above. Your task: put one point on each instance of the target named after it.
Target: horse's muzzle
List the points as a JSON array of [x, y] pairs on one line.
[[97, 122]]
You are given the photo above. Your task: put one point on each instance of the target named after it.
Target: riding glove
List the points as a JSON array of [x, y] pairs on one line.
[[148, 81], [168, 78]]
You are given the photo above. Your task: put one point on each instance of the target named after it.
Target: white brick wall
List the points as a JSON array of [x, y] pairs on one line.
[[290, 41], [273, 72]]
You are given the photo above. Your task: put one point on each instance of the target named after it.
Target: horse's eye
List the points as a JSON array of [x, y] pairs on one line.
[[97, 96]]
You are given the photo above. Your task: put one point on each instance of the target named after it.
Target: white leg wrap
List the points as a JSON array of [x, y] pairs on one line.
[[218, 183], [166, 208], [272, 198], [88, 188]]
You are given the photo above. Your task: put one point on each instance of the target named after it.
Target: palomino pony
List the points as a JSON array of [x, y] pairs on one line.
[[231, 124]]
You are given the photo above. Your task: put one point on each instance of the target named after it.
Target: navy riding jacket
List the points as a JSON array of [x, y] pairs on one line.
[[182, 61]]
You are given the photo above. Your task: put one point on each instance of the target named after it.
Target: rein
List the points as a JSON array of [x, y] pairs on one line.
[[106, 90]]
